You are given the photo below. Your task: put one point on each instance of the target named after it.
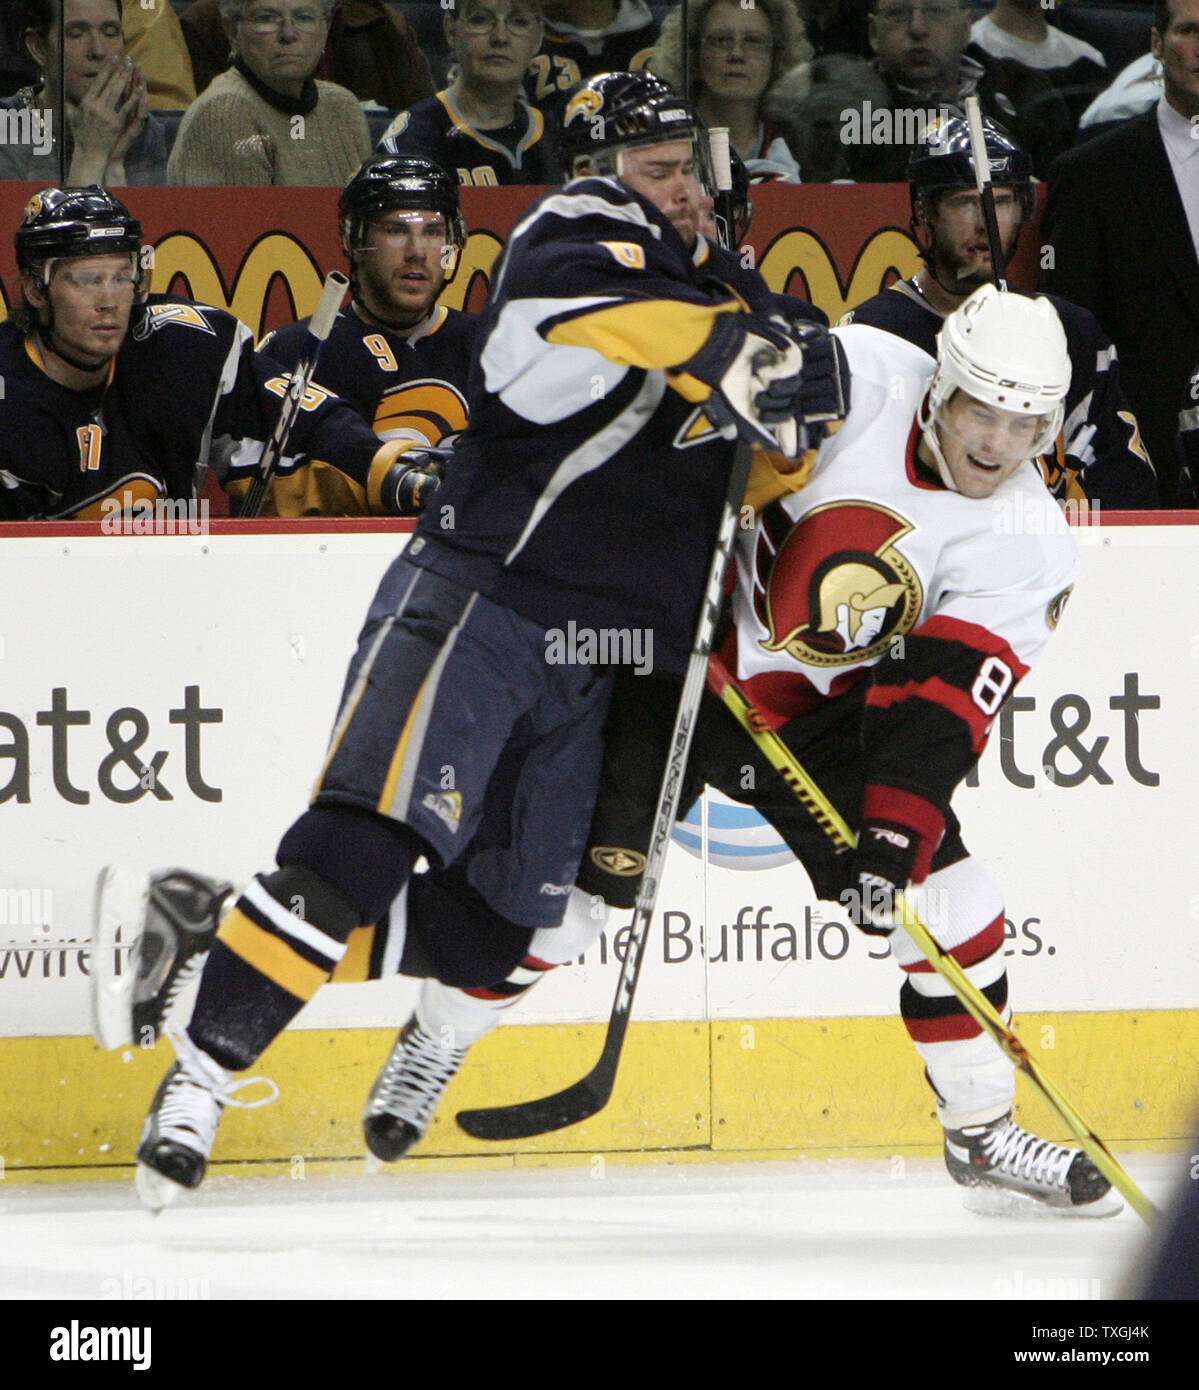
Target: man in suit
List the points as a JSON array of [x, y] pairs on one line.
[[1121, 229]]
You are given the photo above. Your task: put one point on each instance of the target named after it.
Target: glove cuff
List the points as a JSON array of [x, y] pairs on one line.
[[886, 808]]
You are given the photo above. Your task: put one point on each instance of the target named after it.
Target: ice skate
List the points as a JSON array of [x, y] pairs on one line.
[[407, 1091], [177, 1137], [161, 926], [1008, 1168]]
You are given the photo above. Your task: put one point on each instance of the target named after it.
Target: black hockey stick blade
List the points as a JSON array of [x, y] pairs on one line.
[[572, 1106], [522, 1121]]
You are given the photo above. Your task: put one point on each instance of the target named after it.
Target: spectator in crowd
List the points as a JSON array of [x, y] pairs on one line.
[[17, 68], [920, 50], [583, 37], [1136, 88], [745, 68], [482, 126], [1121, 231], [154, 40], [370, 48], [1019, 31], [95, 97], [838, 83], [836, 26], [267, 120]]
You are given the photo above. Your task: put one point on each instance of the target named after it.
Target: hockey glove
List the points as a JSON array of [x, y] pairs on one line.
[[753, 367], [882, 866], [411, 483], [824, 386]]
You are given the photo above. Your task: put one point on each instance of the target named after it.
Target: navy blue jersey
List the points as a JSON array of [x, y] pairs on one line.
[[405, 385], [588, 485], [568, 56], [1099, 455], [185, 389], [435, 129]]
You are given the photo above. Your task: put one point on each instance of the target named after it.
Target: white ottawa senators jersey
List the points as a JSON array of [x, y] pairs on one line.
[[877, 578]]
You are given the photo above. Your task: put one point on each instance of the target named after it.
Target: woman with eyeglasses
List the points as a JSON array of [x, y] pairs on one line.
[[482, 125], [85, 119], [267, 119], [371, 49], [747, 68]]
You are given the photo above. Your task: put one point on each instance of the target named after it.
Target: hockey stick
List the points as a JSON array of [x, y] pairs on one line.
[[319, 327], [976, 1004], [986, 192], [589, 1096]]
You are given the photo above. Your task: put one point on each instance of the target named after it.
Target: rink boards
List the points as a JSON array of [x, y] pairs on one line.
[[765, 1023]]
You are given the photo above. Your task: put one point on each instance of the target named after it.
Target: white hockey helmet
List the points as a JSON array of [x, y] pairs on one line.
[[1008, 350]]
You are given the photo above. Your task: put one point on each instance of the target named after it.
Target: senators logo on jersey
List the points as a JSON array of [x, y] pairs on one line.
[[833, 589]]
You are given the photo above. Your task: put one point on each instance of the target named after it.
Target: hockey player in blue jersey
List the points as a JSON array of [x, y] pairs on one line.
[[584, 497], [394, 353], [115, 399], [1099, 457]]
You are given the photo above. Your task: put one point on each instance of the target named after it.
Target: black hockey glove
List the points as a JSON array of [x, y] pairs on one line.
[[411, 483], [824, 384], [882, 866], [754, 366]]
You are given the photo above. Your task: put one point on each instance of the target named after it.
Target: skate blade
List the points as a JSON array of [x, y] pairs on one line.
[[372, 1164], [154, 1191], [120, 906], [1003, 1201]]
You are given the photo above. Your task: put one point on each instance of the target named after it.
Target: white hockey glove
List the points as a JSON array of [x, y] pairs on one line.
[[763, 383]]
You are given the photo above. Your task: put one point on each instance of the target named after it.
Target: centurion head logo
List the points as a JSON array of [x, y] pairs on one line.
[[833, 590]]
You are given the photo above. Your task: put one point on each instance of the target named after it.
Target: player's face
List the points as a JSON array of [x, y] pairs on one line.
[[493, 41], [961, 251], [735, 51], [982, 444], [91, 37], [1178, 52], [402, 264], [665, 175], [920, 42], [281, 41], [90, 301]]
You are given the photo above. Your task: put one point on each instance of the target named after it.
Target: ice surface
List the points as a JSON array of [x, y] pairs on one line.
[[886, 1229]]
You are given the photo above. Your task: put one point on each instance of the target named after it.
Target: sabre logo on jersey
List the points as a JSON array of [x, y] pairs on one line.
[[158, 315], [833, 589], [427, 411]]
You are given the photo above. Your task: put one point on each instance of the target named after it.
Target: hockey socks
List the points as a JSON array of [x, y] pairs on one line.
[[274, 949], [972, 1078]]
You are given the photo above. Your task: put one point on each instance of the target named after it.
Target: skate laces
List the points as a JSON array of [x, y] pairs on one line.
[[415, 1076], [198, 1091], [1026, 1156]]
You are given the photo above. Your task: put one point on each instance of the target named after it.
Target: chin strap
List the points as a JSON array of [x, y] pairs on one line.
[[47, 345], [926, 419]]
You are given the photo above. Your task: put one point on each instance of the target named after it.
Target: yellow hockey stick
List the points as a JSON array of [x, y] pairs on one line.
[[976, 1004]]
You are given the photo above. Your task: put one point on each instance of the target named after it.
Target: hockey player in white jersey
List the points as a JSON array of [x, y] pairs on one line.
[[884, 614]]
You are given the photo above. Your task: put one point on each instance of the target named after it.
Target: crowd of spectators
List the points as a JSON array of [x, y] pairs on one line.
[[265, 91]]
